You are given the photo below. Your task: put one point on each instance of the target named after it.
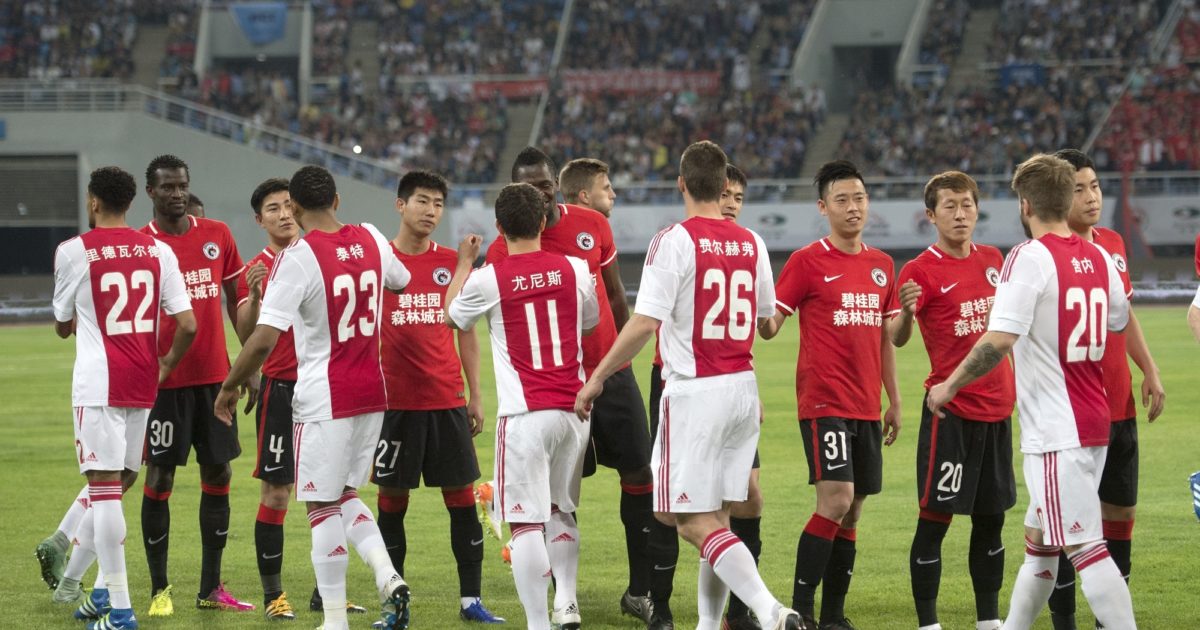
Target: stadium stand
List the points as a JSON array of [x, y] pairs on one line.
[[1033, 31], [50, 40], [943, 36]]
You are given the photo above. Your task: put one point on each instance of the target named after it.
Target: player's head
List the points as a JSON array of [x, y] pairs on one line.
[[535, 168], [312, 190], [167, 181], [734, 193], [842, 197], [1088, 200], [1045, 187], [110, 190], [584, 181], [702, 172], [420, 199], [952, 205], [272, 205], [520, 212], [195, 207]]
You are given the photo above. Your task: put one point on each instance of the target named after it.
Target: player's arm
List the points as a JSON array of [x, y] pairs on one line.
[[891, 416], [987, 353], [616, 293], [468, 251], [229, 290], [468, 352], [1193, 320], [900, 328], [249, 309], [185, 333], [768, 327], [65, 283], [637, 331], [249, 361], [1153, 396]]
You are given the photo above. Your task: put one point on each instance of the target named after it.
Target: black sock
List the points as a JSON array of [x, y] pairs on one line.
[[1062, 599], [1120, 552], [156, 536], [925, 568], [466, 540], [635, 512], [214, 530], [837, 578], [268, 545], [391, 526], [986, 562], [663, 552], [812, 556], [748, 530]]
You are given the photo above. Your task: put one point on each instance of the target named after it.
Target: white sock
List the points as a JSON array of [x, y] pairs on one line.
[[85, 548], [363, 532], [330, 559], [100, 581], [1032, 588], [734, 564], [711, 594], [936, 626], [109, 533], [467, 602], [74, 516], [1105, 589], [562, 545], [531, 572], [987, 624]]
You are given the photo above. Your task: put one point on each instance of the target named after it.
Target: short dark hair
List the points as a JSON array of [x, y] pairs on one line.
[[312, 188], [955, 181], [113, 187], [1076, 158], [578, 175], [428, 180], [703, 170], [193, 200], [269, 187], [167, 162], [520, 210], [836, 170], [735, 176], [532, 156]]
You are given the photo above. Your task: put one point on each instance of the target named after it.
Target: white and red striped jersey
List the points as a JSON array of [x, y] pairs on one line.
[[328, 288], [112, 282], [1062, 296], [708, 281], [537, 306]]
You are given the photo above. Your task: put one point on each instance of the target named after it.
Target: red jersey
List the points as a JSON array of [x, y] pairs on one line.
[[421, 367], [207, 257], [584, 234], [281, 363], [956, 297], [1118, 382], [842, 300]]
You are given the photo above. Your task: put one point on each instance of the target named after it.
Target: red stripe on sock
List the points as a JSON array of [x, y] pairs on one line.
[[104, 491], [216, 491], [525, 528], [460, 498], [1118, 530], [1087, 557], [717, 544], [936, 517], [822, 527], [318, 516], [155, 496], [1042, 551], [393, 504], [637, 489], [271, 516], [847, 534], [348, 495]]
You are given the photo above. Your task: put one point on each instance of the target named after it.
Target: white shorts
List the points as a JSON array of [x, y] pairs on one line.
[[1063, 499], [109, 438], [539, 460], [332, 455], [705, 444]]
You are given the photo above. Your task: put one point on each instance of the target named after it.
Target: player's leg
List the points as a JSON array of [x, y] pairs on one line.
[[51, 553], [745, 518], [934, 448], [531, 571], [562, 530], [396, 470], [168, 444], [216, 445], [994, 493], [662, 544], [275, 467], [826, 446], [1118, 493]]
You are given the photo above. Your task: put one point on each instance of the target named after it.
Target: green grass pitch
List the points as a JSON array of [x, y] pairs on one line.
[[36, 457]]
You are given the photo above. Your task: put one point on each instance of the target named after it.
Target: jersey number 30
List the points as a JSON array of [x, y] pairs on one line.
[[739, 323]]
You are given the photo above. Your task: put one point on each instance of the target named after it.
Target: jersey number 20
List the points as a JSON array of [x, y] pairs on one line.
[[1093, 322]]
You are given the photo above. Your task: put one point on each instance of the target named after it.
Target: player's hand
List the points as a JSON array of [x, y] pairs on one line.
[[762, 411], [583, 402], [226, 405], [249, 389], [468, 249], [939, 395], [891, 424], [1153, 396], [254, 277], [910, 292], [475, 416]]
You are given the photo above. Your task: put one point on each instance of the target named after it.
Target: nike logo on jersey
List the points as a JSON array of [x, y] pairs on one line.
[[833, 467], [272, 557], [924, 561], [385, 474], [832, 278], [476, 543], [994, 552], [155, 541], [946, 497], [272, 468], [947, 289], [155, 452]]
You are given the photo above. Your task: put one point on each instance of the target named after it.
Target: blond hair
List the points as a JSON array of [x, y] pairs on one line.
[[1048, 184]]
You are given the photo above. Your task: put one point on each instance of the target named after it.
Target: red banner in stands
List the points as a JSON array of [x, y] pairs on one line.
[[509, 89], [633, 81]]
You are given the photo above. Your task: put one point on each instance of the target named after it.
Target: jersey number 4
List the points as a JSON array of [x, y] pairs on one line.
[[1093, 322], [118, 282], [739, 323], [367, 286]]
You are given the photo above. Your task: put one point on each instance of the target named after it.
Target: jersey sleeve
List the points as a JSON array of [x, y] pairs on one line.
[[175, 299], [608, 246], [497, 251], [1118, 300], [790, 289], [232, 265], [662, 274], [66, 283], [285, 291], [587, 294], [765, 288], [475, 299], [395, 275], [890, 306], [912, 271], [1021, 282], [242, 291]]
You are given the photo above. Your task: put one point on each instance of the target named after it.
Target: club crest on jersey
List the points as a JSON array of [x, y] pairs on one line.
[[441, 276], [879, 276], [1119, 262], [211, 250], [993, 276], [585, 241]]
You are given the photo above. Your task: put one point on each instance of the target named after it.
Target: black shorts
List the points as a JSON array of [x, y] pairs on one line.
[[436, 444], [620, 437], [183, 418], [844, 449], [276, 462], [656, 389], [1119, 481], [965, 466]]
